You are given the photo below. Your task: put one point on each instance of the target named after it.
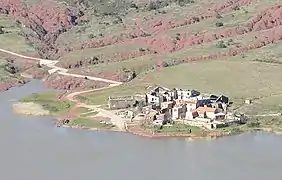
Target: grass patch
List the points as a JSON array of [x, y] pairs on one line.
[[83, 110], [11, 39], [49, 101], [177, 129], [6, 76], [139, 64], [93, 113], [237, 79], [88, 123], [98, 98]]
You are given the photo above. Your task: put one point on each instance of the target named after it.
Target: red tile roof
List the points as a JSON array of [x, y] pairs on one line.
[[205, 109]]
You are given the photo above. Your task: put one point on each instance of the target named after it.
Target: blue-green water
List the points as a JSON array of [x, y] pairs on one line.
[[32, 148]]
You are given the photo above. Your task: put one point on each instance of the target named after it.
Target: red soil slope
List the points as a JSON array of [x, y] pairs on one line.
[[68, 83], [49, 21], [46, 19]]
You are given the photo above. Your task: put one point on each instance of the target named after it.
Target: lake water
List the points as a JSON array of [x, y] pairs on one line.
[[32, 148]]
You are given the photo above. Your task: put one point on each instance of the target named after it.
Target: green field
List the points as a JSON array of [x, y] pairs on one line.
[[49, 101], [178, 128], [88, 123], [11, 38]]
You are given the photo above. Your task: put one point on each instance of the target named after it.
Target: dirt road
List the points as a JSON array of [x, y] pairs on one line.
[[118, 121], [53, 68]]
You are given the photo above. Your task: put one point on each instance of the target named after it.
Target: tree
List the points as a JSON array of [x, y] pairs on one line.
[[219, 24], [1, 30], [220, 44]]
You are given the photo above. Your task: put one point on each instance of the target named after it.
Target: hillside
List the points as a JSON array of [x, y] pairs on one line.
[[119, 40]]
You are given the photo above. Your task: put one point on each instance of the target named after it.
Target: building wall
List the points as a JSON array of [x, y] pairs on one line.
[[191, 107], [120, 104], [153, 99], [184, 94], [210, 115], [175, 113]]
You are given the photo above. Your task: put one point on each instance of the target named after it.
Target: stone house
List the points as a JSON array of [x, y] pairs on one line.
[[191, 105], [190, 115], [168, 105], [207, 112], [152, 98], [179, 111], [219, 99], [121, 102], [186, 94], [221, 106]]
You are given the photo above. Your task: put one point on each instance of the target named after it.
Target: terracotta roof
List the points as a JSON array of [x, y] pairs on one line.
[[190, 102], [205, 109]]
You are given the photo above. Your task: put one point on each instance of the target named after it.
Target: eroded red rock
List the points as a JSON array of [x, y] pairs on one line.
[[72, 83]]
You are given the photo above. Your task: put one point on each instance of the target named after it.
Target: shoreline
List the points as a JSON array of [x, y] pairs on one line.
[[28, 109], [5, 86], [151, 135]]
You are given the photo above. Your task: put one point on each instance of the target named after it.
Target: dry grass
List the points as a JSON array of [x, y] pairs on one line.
[[12, 40], [232, 19], [236, 77], [7, 77], [90, 52], [139, 64]]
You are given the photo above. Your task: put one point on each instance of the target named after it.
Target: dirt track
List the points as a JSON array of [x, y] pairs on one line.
[[118, 121]]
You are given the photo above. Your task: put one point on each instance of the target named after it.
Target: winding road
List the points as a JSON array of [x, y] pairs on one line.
[[53, 68], [118, 121]]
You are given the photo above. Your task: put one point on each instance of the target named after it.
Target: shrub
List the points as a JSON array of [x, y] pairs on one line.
[[230, 42], [145, 35], [1, 30], [218, 16], [91, 36], [236, 8], [219, 24], [220, 44], [153, 5], [253, 124], [184, 2], [133, 5], [142, 49]]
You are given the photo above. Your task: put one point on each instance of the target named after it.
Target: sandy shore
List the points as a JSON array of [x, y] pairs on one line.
[[30, 108]]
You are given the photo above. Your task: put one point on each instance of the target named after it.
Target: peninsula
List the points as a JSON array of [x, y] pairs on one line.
[[109, 56]]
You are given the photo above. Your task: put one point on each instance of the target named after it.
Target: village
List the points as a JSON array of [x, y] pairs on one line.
[[161, 106]]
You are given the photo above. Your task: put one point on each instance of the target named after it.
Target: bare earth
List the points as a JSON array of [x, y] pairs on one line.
[[30, 108]]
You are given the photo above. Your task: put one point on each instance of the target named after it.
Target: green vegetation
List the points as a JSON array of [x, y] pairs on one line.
[[49, 101], [11, 38], [249, 76], [88, 123], [82, 110], [91, 113], [85, 112], [177, 129], [6, 76], [99, 98]]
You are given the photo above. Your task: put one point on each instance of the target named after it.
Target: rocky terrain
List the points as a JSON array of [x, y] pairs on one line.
[[121, 40]]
